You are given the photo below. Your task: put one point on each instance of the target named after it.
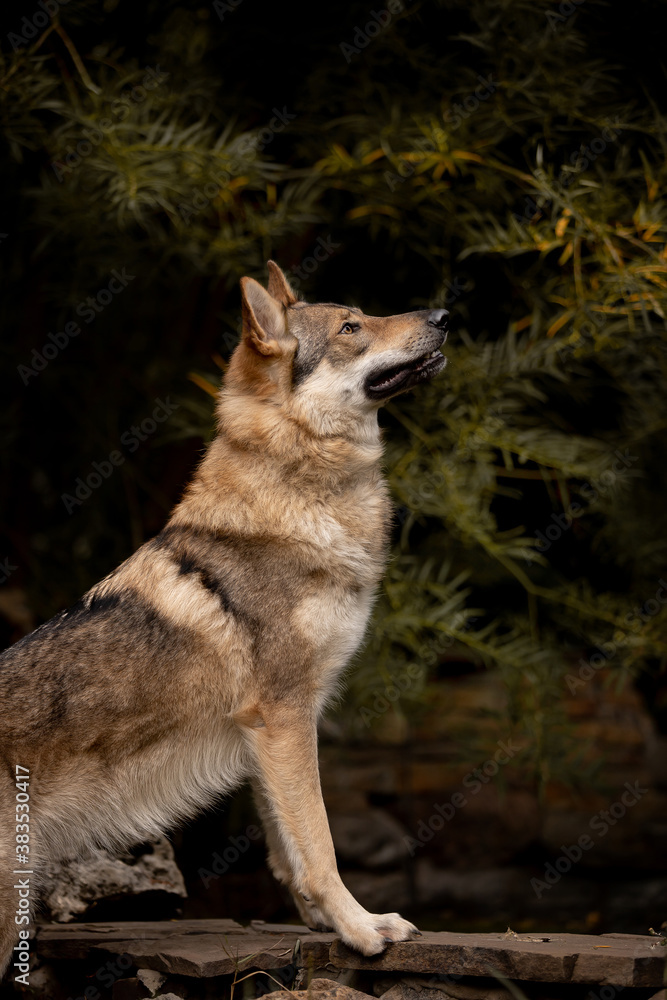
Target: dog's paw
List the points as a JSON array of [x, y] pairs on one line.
[[394, 927], [382, 929]]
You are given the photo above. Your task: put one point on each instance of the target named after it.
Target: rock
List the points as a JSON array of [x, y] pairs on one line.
[[322, 985], [198, 948], [372, 838], [129, 989], [152, 980], [204, 956], [619, 960], [322, 989], [404, 991], [342, 977], [70, 889], [446, 986], [76, 941]]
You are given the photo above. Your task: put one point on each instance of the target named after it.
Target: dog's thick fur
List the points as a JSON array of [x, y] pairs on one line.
[[206, 658]]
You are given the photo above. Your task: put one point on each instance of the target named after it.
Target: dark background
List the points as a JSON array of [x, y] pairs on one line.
[[560, 79]]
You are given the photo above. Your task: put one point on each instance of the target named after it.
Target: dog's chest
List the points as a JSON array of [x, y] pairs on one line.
[[337, 597], [332, 620]]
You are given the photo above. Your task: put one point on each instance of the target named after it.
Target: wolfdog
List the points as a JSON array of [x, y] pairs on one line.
[[206, 658]]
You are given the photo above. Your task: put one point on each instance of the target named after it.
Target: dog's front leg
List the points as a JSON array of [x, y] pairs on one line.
[[280, 865], [283, 742]]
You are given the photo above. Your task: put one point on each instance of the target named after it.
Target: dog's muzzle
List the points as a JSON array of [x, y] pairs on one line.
[[387, 382]]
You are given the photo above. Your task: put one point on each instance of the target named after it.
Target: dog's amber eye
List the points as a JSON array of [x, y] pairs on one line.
[[349, 328]]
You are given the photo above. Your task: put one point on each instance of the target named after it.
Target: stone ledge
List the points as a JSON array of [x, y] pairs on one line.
[[196, 948], [615, 959], [206, 948]]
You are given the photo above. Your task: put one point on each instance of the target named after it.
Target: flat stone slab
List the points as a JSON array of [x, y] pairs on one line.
[[204, 948], [198, 948], [614, 959], [210, 954], [76, 940]]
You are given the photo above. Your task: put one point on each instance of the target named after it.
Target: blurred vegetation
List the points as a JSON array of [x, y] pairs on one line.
[[506, 159]]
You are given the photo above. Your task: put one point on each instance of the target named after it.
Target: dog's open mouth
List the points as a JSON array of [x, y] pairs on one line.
[[402, 377]]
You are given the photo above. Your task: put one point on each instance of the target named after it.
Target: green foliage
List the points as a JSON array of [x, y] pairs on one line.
[[476, 155]]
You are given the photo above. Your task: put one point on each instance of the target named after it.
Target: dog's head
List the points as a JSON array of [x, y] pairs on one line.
[[330, 363]]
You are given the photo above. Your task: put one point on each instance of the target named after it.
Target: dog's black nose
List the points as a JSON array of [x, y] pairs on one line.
[[439, 318]]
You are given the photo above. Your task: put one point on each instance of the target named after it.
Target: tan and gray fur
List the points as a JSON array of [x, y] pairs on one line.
[[206, 658]]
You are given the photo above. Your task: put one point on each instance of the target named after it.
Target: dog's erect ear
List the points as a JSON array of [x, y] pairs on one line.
[[279, 285], [263, 319]]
